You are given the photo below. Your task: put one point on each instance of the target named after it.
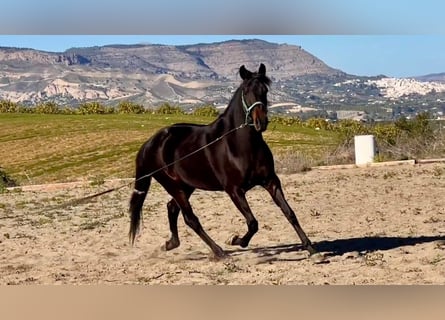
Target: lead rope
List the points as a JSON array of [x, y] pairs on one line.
[[247, 111], [191, 153], [87, 198]]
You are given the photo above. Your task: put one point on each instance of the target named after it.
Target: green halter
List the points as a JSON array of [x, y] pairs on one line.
[[248, 110]]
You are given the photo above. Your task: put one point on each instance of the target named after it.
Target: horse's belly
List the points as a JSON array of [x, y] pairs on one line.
[[200, 177]]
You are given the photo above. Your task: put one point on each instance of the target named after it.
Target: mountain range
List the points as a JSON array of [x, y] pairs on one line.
[[434, 77], [188, 75]]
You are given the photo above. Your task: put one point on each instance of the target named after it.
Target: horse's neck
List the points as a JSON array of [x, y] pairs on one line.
[[233, 117]]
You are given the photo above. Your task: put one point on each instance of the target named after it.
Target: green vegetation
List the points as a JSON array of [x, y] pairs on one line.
[[206, 111], [94, 108], [399, 140], [166, 108], [8, 106], [40, 148], [51, 144], [130, 107]]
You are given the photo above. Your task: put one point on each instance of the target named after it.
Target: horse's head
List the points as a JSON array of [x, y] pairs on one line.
[[254, 96]]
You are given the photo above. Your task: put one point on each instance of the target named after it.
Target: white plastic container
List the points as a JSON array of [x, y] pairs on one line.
[[365, 149]]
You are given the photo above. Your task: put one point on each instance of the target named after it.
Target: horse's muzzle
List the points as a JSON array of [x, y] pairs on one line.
[[260, 124]]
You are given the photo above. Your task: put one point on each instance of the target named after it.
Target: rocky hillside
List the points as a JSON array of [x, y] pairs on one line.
[[202, 73], [193, 75], [436, 77], [283, 61]]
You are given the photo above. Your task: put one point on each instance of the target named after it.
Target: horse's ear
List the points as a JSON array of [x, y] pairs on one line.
[[244, 73], [262, 70]]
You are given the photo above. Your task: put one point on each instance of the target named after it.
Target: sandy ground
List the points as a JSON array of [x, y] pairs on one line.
[[379, 225]]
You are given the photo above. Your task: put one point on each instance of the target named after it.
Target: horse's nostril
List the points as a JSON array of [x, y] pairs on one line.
[[258, 125]]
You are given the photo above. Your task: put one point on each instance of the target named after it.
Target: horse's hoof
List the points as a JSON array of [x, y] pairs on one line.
[[170, 245], [219, 256], [318, 258], [233, 240]]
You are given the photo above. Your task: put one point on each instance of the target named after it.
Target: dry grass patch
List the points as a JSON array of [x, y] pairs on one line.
[[39, 149]]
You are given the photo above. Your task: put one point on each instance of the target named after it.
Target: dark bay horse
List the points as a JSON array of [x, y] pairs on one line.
[[234, 164]]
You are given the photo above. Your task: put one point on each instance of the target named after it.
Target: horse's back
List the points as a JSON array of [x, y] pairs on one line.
[[177, 148], [198, 162]]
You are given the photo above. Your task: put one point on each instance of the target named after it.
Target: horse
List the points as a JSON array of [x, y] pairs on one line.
[[229, 154]]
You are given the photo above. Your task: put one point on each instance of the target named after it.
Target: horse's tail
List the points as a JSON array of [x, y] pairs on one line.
[[142, 184]]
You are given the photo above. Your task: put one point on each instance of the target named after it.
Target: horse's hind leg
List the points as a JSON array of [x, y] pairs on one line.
[[173, 210], [193, 222], [173, 213], [239, 199]]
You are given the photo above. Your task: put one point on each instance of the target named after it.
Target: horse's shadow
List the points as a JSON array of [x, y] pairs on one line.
[[367, 244], [339, 247]]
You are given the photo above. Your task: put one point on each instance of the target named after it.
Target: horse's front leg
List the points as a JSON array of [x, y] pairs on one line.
[[238, 197], [274, 188]]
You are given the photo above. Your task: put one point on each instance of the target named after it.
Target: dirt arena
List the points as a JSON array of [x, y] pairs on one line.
[[375, 225]]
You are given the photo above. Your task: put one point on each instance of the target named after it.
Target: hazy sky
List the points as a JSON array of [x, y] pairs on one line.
[[397, 38]]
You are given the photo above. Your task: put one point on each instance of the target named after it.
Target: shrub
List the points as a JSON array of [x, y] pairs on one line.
[[417, 127], [318, 123], [7, 106], [401, 140], [386, 133], [130, 107], [206, 111], [94, 108], [68, 110], [166, 108], [408, 139], [47, 108], [350, 128], [287, 121], [25, 109]]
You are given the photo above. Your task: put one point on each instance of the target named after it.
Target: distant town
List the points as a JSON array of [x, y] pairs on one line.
[[364, 99]]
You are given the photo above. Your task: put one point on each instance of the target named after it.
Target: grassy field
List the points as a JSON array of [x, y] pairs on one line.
[[59, 148]]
